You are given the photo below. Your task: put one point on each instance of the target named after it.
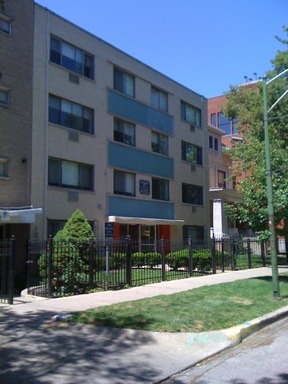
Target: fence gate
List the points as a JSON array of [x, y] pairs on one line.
[[7, 256], [36, 285]]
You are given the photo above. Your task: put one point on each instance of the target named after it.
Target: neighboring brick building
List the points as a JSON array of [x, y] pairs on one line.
[[16, 74], [222, 131]]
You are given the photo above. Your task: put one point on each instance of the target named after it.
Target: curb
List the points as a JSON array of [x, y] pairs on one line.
[[236, 335], [240, 332]]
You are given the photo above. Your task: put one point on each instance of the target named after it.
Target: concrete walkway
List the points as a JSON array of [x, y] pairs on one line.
[[35, 349]]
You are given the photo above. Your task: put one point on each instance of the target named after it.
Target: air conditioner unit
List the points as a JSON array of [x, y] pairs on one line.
[[192, 128], [74, 78], [73, 196], [193, 209], [193, 167], [73, 136]]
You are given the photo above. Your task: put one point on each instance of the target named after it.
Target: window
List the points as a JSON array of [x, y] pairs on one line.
[[123, 82], [69, 174], [221, 179], [124, 183], [5, 25], [191, 153], [160, 189], [213, 143], [159, 143], [72, 115], [195, 232], [191, 114], [124, 132], [192, 194], [4, 98], [3, 168], [71, 58], [159, 99], [226, 124], [53, 226]]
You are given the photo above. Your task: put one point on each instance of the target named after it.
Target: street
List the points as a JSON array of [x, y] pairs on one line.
[[261, 358]]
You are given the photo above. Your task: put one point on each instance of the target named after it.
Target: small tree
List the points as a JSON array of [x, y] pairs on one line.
[[70, 254]]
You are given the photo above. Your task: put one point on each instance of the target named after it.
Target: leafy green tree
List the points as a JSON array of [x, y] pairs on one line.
[[246, 103]]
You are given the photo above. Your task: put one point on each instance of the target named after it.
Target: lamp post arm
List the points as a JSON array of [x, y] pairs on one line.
[[276, 102], [276, 77]]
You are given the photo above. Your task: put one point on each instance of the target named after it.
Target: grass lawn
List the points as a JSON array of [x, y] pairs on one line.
[[203, 309]]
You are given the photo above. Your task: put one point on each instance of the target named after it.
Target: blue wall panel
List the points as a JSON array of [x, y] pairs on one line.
[[140, 113], [132, 159], [119, 206]]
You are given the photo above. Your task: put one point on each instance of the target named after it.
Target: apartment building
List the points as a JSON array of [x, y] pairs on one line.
[[104, 133]]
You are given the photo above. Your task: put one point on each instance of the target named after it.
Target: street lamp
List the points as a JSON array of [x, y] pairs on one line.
[[275, 277]]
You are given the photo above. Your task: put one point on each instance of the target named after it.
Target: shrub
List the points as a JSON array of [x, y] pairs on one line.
[[138, 259], [153, 259], [178, 259], [66, 268], [117, 260], [202, 259]]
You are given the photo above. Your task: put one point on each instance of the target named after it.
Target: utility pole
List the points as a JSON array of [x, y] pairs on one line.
[[271, 218]]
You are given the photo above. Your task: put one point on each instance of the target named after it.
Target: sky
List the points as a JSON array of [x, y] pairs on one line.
[[206, 45]]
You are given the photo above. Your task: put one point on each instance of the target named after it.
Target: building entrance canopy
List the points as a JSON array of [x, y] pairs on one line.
[[20, 215]]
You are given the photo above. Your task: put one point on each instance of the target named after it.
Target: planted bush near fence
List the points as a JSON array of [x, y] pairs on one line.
[[117, 260], [202, 259], [178, 259], [153, 259], [138, 259]]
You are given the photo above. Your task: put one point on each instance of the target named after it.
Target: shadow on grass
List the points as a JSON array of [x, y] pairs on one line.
[[102, 319], [36, 350], [282, 279]]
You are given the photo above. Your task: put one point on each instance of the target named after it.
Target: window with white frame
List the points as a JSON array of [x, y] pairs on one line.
[[4, 98], [124, 132], [124, 183], [191, 153], [72, 58], [159, 143], [5, 25], [191, 114], [160, 189], [69, 174], [3, 167], [159, 99], [124, 82], [69, 114]]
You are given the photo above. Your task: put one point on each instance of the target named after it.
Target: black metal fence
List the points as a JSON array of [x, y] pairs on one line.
[[7, 257], [57, 269]]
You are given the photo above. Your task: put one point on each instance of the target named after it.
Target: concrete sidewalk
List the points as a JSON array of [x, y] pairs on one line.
[[35, 349]]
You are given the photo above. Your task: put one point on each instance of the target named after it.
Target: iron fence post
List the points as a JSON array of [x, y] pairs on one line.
[[128, 261], [222, 256], [163, 260], [213, 254], [91, 263], [249, 254], [49, 245], [262, 247], [232, 254], [11, 270], [190, 261]]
